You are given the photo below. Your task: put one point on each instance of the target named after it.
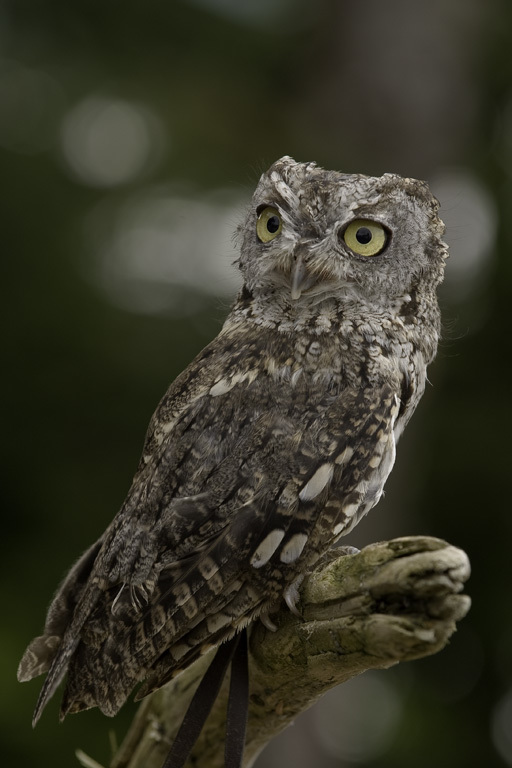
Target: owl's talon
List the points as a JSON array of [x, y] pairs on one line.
[[292, 597], [267, 622], [347, 550]]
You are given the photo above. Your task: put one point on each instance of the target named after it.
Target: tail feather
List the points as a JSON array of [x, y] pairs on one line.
[[54, 677], [67, 648], [70, 608], [38, 657]]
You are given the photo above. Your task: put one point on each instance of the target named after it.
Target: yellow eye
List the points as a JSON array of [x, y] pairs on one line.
[[365, 237], [269, 224]]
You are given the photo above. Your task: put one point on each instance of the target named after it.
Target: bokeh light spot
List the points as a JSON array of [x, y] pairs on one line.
[[158, 252], [470, 216], [108, 142], [501, 727], [357, 721]]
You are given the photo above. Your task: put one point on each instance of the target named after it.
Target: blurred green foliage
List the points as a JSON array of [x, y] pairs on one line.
[[418, 89]]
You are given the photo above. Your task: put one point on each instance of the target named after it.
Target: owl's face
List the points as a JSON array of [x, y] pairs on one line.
[[312, 234]]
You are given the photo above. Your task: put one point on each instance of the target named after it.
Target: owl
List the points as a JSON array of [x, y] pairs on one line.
[[273, 443]]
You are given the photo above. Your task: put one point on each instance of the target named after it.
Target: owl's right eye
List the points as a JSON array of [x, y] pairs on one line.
[[269, 224]]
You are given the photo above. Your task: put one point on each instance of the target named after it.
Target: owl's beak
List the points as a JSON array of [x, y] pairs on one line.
[[300, 278]]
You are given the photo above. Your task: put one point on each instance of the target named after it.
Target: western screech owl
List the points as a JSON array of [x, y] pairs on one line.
[[272, 444]]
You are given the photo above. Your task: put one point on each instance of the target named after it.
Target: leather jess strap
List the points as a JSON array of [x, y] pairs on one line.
[[232, 652]]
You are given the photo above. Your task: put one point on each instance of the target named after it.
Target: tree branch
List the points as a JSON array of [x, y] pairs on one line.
[[393, 601]]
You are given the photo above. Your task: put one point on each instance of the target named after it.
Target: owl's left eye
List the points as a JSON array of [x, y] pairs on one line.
[[366, 237], [269, 224]]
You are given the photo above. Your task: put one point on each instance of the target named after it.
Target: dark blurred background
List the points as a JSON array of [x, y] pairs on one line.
[[131, 136]]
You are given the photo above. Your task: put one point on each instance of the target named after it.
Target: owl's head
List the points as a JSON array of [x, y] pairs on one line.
[[312, 234]]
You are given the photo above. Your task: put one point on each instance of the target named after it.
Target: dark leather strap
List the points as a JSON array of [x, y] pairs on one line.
[[201, 704], [238, 705]]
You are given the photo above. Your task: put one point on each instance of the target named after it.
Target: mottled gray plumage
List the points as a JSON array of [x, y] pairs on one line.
[[271, 445]]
